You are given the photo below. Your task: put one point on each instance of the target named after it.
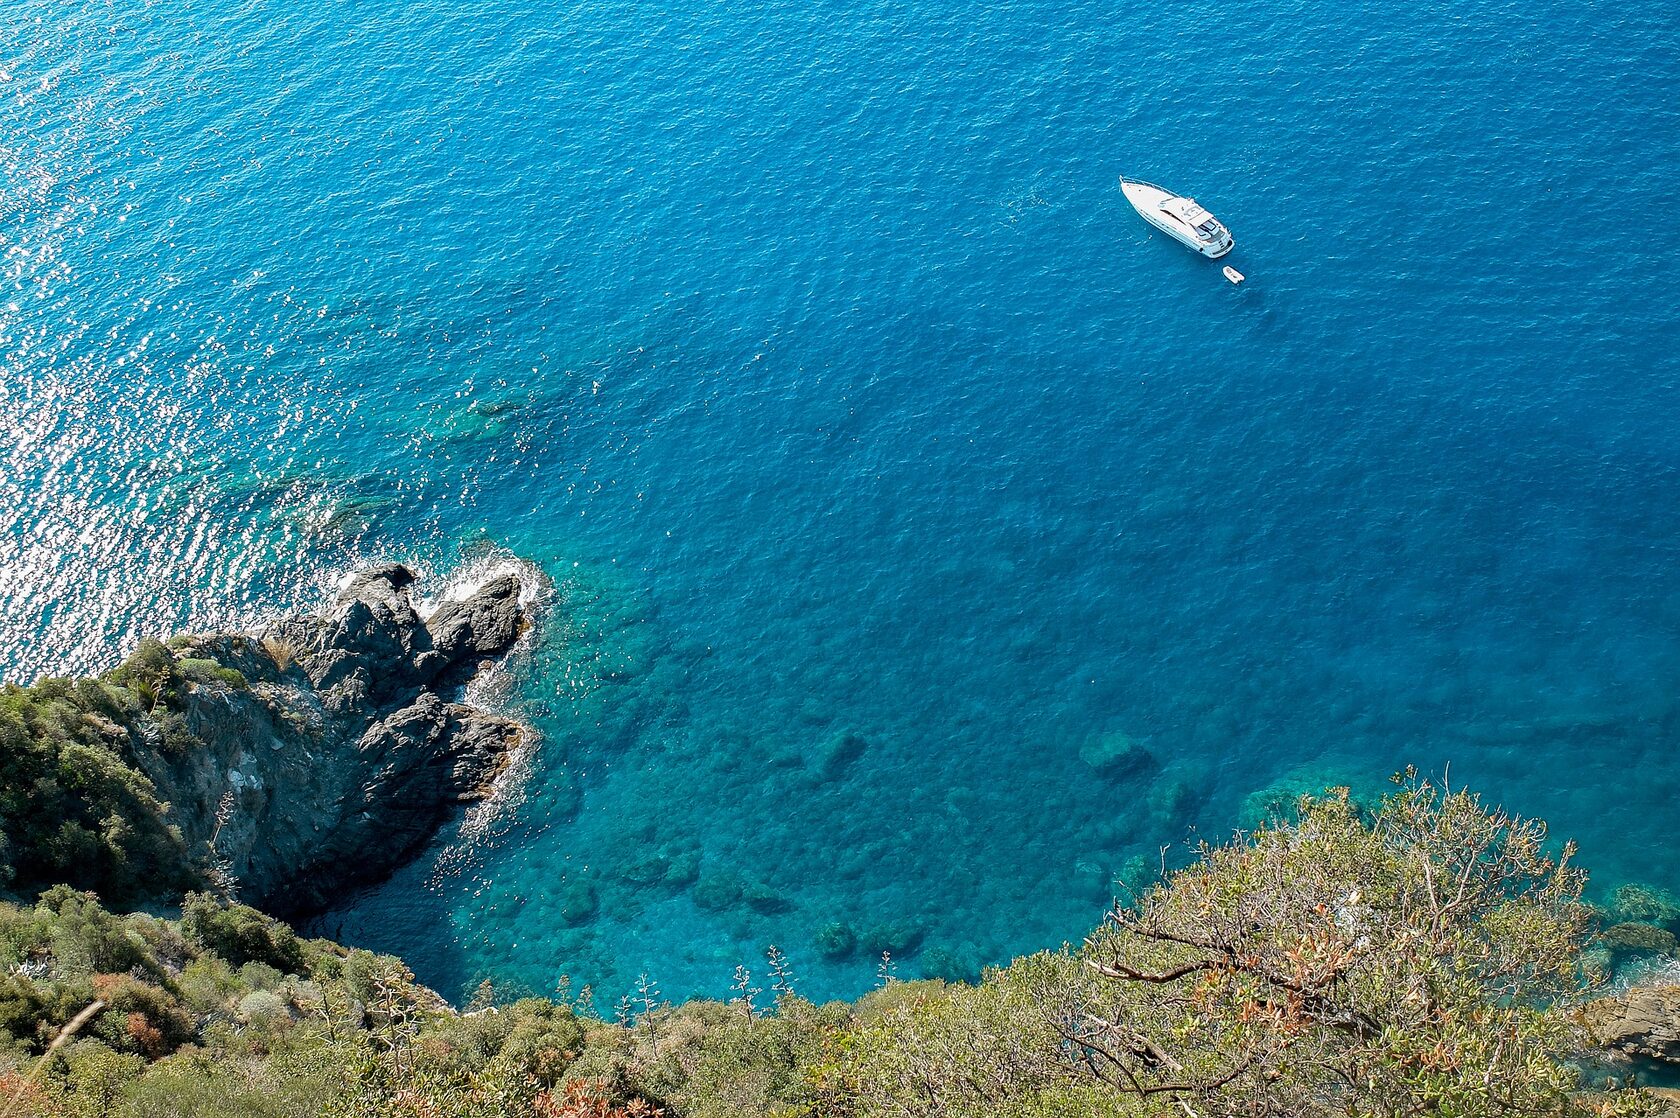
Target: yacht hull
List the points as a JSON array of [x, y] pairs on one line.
[[1147, 198]]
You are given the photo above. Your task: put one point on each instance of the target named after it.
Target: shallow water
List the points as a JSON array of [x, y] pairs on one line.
[[881, 458]]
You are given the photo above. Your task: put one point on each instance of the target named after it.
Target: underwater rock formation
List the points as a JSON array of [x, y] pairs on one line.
[[323, 752], [835, 941], [1644, 904], [834, 756], [1115, 756]]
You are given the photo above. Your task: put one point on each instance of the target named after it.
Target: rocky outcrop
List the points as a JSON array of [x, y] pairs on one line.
[[321, 753], [1642, 1023]]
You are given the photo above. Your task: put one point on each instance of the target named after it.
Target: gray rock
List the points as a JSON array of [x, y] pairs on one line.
[[578, 903], [761, 898], [343, 755], [482, 625], [899, 938], [717, 892], [835, 941], [1643, 1022]]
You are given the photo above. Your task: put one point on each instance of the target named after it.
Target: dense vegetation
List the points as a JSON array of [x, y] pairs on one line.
[[73, 807], [1420, 957]]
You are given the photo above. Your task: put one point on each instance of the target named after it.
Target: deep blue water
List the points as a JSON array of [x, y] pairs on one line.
[[881, 458]]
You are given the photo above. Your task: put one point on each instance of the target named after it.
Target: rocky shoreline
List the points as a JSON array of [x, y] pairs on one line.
[[283, 767], [1637, 1025], [325, 750]]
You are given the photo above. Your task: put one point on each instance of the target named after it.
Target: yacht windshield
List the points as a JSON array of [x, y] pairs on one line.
[[1209, 229]]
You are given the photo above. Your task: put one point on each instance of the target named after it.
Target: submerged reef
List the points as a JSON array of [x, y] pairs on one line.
[[287, 766]]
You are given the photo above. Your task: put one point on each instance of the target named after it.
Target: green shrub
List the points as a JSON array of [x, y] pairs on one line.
[[261, 976], [711, 1060], [151, 664], [140, 1017], [174, 737], [207, 985], [542, 1041], [71, 809], [23, 935], [94, 1077], [85, 939], [206, 1087], [23, 1008], [240, 934], [209, 671], [1416, 958], [165, 947], [264, 1007]]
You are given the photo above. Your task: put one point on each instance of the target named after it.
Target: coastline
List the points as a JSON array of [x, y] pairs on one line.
[[286, 767]]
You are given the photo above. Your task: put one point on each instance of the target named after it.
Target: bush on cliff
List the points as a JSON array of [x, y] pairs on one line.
[[240, 934], [1420, 957], [206, 671], [72, 809]]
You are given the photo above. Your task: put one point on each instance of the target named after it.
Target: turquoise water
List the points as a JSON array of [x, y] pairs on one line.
[[881, 459]]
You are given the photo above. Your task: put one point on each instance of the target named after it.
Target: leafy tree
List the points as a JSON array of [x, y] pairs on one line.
[[1416, 961]]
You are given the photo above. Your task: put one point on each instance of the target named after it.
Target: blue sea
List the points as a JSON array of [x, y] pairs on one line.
[[928, 541]]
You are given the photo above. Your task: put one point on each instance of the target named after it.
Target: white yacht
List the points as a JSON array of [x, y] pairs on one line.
[[1180, 218]]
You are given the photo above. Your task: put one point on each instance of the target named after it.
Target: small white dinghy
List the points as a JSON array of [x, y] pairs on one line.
[[1180, 217], [1233, 275]]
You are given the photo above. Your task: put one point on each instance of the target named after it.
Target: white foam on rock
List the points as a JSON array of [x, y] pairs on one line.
[[468, 580], [489, 690]]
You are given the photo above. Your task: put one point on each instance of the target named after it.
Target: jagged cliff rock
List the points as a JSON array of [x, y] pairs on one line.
[[1643, 1022], [331, 752]]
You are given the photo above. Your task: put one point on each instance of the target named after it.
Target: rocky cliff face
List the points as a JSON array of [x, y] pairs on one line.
[[334, 748]]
